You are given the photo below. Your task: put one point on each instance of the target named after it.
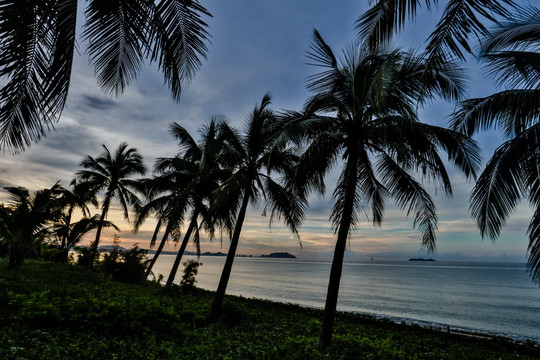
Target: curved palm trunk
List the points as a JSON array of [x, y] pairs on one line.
[[176, 264], [64, 245], [94, 246], [158, 252], [327, 327], [215, 310]]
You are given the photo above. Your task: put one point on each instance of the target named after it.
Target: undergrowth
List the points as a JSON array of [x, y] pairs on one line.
[[55, 311]]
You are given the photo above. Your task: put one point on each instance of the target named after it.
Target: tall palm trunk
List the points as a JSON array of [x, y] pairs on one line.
[[176, 264], [325, 335], [158, 252], [215, 310], [16, 257]]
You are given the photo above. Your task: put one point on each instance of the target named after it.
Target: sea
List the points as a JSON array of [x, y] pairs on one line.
[[476, 297]]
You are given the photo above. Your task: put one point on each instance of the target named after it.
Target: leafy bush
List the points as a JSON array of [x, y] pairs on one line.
[[191, 269], [84, 256], [125, 265]]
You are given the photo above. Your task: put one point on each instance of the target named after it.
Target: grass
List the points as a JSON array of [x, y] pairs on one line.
[[53, 311]]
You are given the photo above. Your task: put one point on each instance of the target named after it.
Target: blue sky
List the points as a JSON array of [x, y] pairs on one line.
[[257, 47]]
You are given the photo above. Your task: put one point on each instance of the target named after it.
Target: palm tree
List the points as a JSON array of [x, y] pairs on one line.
[[75, 198], [460, 20], [25, 222], [256, 156], [38, 45], [71, 233], [185, 181], [161, 192], [512, 173], [363, 116], [112, 174]]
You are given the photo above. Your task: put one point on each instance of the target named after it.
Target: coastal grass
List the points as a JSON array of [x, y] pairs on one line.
[[55, 311]]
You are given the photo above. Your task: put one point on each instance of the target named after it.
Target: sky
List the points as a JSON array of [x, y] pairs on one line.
[[258, 47]]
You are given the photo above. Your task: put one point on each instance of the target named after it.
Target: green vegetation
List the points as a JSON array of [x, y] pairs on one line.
[[59, 311]]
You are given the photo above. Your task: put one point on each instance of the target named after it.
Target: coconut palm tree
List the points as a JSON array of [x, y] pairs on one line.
[[75, 198], [161, 192], [112, 174], [38, 41], [185, 182], [256, 158], [460, 20], [363, 117], [24, 223], [202, 167], [71, 233], [512, 173]]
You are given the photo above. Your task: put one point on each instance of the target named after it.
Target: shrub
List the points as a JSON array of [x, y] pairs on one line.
[[125, 265], [191, 269]]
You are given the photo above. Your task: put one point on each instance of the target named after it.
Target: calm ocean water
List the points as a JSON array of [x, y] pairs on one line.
[[497, 298]]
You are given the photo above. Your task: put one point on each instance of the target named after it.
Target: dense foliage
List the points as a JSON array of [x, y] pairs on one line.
[[58, 311]]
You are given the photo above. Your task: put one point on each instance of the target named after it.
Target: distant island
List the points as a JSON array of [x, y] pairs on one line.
[[282, 255], [421, 259], [213, 254]]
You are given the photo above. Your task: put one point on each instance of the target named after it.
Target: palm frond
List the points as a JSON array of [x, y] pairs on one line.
[[59, 74], [463, 151], [347, 199], [512, 111], [498, 189], [459, 22], [373, 191], [520, 31], [116, 35], [321, 54], [446, 80], [514, 68], [285, 203], [317, 161], [411, 197], [178, 34], [386, 17], [25, 47], [533, 261], [187, 145]]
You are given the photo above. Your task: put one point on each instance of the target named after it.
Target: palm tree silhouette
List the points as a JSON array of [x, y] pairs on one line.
[[112, 174], [363, 117], [38, 45], [71, 233], [75, 198], [201, 165], [512, 173], [25, 222], [185, 182], [255, 155]]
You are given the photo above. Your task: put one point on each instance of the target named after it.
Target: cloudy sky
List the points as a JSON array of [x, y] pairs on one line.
[[256, 47]]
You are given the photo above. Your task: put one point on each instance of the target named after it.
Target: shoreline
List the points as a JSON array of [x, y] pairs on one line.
[[445, 328], [457, 330]]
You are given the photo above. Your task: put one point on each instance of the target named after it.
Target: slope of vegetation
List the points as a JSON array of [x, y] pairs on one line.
[[56, 311]]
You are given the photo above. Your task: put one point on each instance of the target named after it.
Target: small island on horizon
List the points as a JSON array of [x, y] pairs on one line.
[[421, 259], [281, 255]]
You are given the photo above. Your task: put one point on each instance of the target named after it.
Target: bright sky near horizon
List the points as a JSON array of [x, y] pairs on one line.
[[257, 47]]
